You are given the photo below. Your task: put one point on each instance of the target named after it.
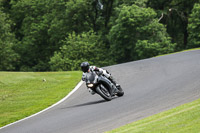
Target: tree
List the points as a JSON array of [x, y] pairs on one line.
[[133, 26], [140, 3], [40, 26], [8, 57], [194, 27], [175, 17], [130, 30], [80, 48], [84, 15]]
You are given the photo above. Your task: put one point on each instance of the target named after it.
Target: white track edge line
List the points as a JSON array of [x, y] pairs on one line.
[[74, 90]]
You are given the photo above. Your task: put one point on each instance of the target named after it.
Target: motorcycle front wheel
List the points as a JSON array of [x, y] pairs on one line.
[[103, 92]]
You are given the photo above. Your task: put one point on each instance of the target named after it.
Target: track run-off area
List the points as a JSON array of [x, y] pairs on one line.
[[151, 86]]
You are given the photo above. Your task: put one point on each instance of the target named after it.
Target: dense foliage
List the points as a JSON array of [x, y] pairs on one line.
[[137, 34], [80, 48], [43, 35], [194, 27], [8, 56]]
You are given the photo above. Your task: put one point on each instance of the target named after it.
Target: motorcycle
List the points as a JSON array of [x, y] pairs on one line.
[[99, 84]]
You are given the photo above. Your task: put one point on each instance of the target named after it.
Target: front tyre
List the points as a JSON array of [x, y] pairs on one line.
[[103, 92]]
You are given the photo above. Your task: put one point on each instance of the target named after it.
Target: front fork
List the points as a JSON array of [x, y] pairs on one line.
[[91, 91]]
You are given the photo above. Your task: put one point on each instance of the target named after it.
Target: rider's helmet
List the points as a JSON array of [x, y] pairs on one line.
[[85, 66]]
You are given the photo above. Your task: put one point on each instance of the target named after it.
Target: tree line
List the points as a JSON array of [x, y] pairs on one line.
[[49, 35]]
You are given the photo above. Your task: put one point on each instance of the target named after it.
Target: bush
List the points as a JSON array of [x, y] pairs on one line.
[[78, 48], [146, 49]]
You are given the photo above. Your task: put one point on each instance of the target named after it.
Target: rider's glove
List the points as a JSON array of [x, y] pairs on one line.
[[96, 69]]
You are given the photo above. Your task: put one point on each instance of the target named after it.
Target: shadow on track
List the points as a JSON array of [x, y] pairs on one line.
[[89, 103], [86, 104]]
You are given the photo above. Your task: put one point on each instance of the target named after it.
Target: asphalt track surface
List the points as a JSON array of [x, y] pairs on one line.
[[151, 86]]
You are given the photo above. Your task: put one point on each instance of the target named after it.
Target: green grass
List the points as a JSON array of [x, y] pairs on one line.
[[182, 119], [180, 51], [192, 49], [26, 93]]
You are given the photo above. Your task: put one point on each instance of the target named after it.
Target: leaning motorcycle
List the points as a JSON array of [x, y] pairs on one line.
[[101, 85]]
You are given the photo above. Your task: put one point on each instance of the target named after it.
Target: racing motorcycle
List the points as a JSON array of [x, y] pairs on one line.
[[99, 84]]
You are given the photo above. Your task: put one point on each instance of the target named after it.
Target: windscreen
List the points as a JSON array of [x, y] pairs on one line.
[[90, 77]]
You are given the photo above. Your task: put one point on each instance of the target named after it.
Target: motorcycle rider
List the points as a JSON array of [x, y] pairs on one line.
[[86, 68]]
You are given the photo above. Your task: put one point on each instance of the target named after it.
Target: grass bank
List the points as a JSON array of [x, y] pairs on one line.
[[183, 119], [180, 51], [25, 93]]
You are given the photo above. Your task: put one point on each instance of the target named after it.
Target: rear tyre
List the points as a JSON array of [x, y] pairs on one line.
[[103, 92], [120, 93]]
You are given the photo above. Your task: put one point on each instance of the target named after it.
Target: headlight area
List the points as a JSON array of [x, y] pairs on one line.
[[90, 85]]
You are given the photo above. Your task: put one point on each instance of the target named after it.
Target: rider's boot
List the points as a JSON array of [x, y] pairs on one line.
[[116, 86], [113, 81]]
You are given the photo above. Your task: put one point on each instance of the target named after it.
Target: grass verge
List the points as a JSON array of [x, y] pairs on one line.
[[182, 119], [26, 93], [179, 51]]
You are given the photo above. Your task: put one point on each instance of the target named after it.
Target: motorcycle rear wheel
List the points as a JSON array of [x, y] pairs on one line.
[[121, 92]]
